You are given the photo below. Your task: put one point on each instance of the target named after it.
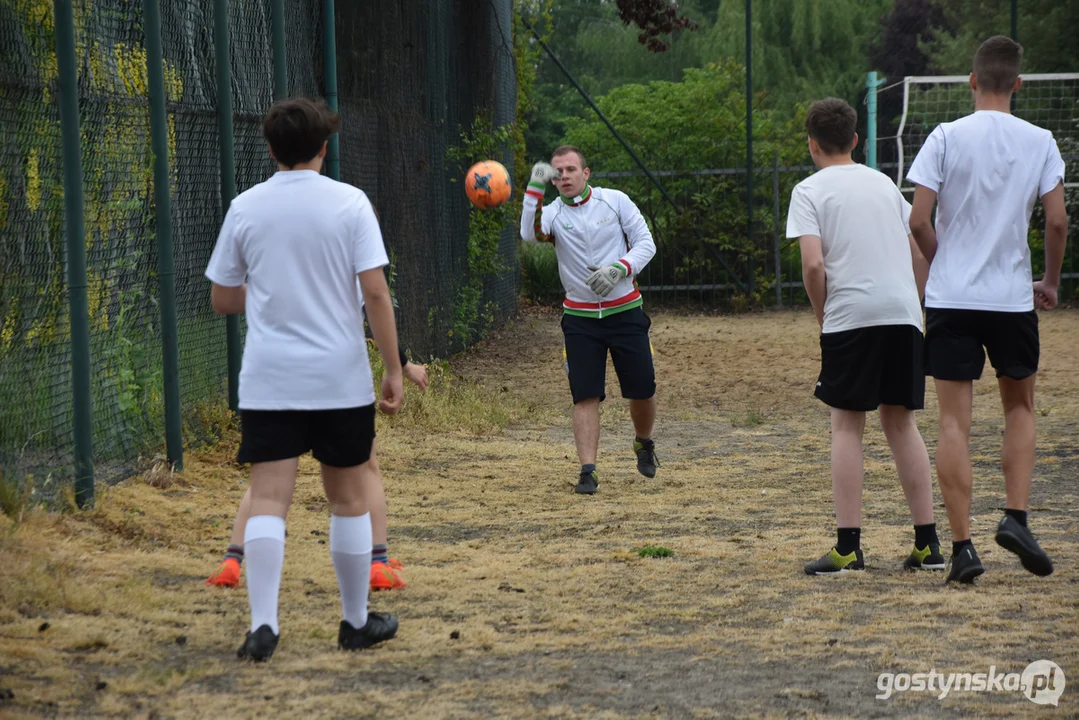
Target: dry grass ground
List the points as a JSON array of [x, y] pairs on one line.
[[525, 600]]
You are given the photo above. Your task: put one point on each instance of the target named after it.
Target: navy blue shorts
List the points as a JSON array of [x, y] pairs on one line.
[[625, 336]]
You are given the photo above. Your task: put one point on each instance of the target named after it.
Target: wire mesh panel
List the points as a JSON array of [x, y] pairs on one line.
[[412, 77], [35, 359]]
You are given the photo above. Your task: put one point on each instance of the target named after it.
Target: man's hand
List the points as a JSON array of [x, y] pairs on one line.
[[543, 172], [393, 393], [417, 374], [603, 280], [1045, 295]]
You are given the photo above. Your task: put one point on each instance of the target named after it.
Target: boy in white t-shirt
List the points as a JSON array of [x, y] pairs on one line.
[[984, 172], [288, 255], [863, 276]]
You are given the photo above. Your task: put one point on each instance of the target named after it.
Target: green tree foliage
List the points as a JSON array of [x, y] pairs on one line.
[[802, 49], [687, 125], [1046, 29]]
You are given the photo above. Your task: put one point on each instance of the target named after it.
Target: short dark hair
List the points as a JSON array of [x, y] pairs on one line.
[[566, 150], [297, 128], [996, 64], [831, 122]]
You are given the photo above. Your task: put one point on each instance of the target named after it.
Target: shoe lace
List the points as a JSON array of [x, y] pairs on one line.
[[650, 455]]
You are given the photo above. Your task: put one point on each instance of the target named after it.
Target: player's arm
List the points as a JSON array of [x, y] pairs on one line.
[[1056, 238], [376, 297], [813, 274], [227, 269], [921, 267], [533, 225], [228, 300], [416, 373], [921, 222], [642, 248], [369, 260]]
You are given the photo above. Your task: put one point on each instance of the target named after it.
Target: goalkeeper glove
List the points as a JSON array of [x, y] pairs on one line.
[[543, 172], [603, 280]]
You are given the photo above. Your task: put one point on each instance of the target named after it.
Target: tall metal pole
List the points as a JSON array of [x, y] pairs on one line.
[[280, 66], [329, 72], [871, 85], [1015, 34], [778, 235], [223, 60], [749, 140], [159, 142], [82, 410]]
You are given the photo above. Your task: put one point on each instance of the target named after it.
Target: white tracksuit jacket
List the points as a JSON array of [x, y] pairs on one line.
[[601, 227]]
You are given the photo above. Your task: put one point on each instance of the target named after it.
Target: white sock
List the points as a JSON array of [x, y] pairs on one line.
[[264, 550], [350, 548]]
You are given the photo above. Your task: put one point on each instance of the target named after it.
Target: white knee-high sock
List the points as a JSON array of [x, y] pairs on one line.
[[350, 548], [264, 548]]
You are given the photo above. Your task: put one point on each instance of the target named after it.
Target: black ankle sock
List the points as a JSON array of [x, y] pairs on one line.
[[643, 441], [958, 546], [849, 540], [588, 469], [925, 535], [1019, 515], [236, 552]]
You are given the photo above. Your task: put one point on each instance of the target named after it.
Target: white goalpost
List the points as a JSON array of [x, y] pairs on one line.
[[1048, 100]]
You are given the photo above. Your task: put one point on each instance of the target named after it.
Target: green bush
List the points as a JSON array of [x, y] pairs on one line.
[[539, 274]]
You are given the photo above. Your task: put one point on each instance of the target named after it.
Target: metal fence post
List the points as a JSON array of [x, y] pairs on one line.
[[329, 73], [159, 142], [280, 66], [775, 209], [82, 409], [223, 60], [749, 141], [871, 85]]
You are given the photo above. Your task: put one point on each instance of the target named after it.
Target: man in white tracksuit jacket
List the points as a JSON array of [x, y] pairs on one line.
[[601, 241]]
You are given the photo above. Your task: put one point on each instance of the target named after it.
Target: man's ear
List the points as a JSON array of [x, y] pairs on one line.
[[1018, 84], [325, 147], [973, 82], [587, 173], [271, 151], [855, 143]]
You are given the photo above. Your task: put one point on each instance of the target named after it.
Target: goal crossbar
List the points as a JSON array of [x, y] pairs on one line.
[[951, 80]]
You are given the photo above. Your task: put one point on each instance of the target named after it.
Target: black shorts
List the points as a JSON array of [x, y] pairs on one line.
[[587, 341], [864, 368], [956, 342], [338, 438]]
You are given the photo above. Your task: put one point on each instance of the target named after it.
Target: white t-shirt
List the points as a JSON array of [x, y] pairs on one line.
[[298, 240], [863, 223], [987, 170]]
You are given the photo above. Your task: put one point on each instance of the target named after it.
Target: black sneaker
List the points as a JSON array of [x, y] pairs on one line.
[[646, 457], [927, 558], [259, 645], [833, 563], [1012, 535], [965, 566], [379, 627], [587, 484]]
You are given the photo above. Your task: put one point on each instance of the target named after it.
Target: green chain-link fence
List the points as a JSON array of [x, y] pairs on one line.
[[413, 76]]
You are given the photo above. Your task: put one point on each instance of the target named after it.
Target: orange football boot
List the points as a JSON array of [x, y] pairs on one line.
[[227, 574]]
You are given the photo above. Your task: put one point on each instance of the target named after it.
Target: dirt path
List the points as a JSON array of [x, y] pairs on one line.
[[527, 601]]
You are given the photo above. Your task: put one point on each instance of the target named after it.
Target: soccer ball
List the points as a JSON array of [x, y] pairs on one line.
[[487, 184]]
